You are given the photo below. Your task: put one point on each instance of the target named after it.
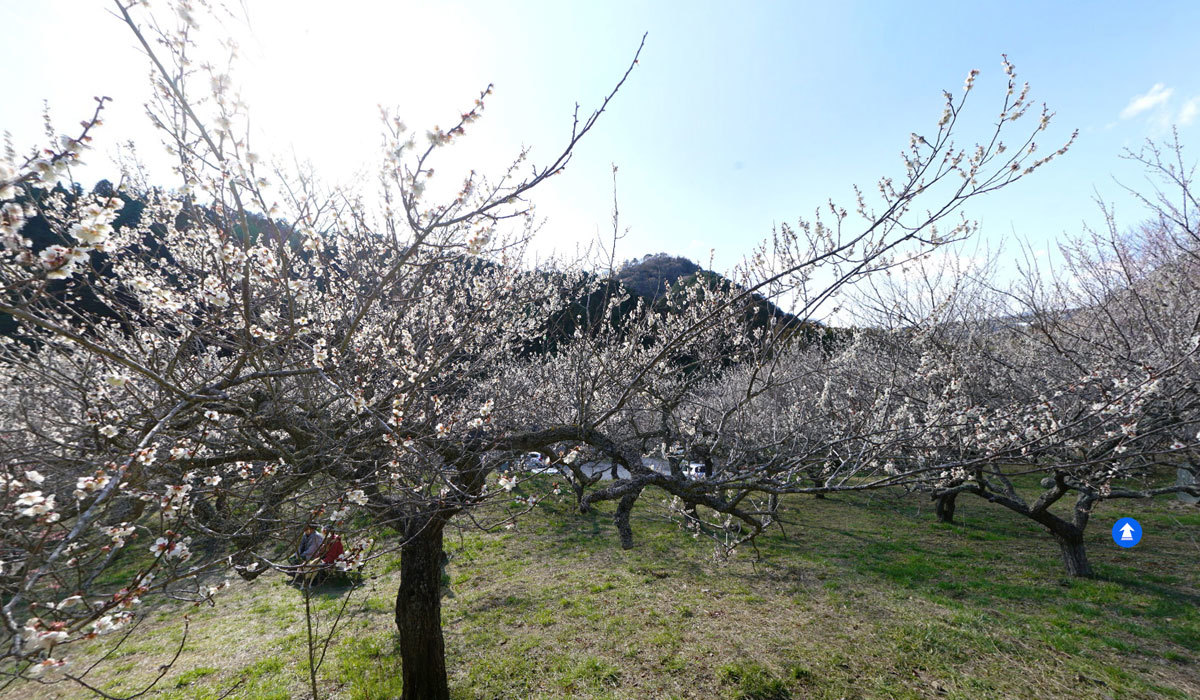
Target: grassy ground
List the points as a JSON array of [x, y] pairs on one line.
[[865, 597]]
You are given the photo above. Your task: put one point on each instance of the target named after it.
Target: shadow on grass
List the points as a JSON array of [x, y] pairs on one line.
[[990, 562]]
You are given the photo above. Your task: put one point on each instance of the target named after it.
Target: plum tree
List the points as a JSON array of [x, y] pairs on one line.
[[275, 353]]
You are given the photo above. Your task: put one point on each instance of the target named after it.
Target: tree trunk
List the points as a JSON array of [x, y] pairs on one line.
[[419, 615], [577, 487], [621, 518], [945, 507], [1074, 553]]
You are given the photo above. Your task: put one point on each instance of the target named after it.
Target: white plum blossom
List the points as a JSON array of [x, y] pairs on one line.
[[30, 498], [111, 623], [86, 485], [38, 506], [118, 533], [172, 548], [65, 602], [94, 227], [44, 666], [60, 262], [214, 292], [175, 492], [39, 638]]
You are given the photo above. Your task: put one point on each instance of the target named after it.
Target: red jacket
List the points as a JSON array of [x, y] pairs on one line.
[[334, 550]]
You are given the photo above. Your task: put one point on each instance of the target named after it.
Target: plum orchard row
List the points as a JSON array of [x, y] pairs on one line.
[[205, 372]]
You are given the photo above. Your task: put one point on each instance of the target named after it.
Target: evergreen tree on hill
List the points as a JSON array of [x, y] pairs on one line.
[[650, 276]]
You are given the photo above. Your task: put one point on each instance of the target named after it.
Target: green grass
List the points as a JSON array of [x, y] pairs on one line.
[[864, 596], [753, 682], [188, 677], [369, 662]]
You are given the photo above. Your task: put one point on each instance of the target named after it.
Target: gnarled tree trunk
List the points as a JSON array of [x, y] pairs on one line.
[[944, 507], [419, 614], [1069, 534], [621, 518], [1074, 553], [578, 488]]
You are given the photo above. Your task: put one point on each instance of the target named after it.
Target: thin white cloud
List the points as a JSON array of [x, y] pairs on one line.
[[1157, 95], [1191, 110]]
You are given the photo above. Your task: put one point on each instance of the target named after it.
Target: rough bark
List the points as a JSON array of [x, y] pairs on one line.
[[419, 615], [578, 488], [945, 507], [621, 518], [1074, 553]]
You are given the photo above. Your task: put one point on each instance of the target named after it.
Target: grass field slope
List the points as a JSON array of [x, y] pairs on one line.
[[855, 597]]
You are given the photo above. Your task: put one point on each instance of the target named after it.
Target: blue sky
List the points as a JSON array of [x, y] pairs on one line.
[[739, 116]]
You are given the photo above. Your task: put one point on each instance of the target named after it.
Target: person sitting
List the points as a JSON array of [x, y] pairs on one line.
[[333, 550], [324, 564], [310, 542], [306, 552]]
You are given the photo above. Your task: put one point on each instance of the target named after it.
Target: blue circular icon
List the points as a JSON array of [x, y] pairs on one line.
[[1127, 532]]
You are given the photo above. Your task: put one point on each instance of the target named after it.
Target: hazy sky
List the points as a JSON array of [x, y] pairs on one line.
[[739, 116]]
